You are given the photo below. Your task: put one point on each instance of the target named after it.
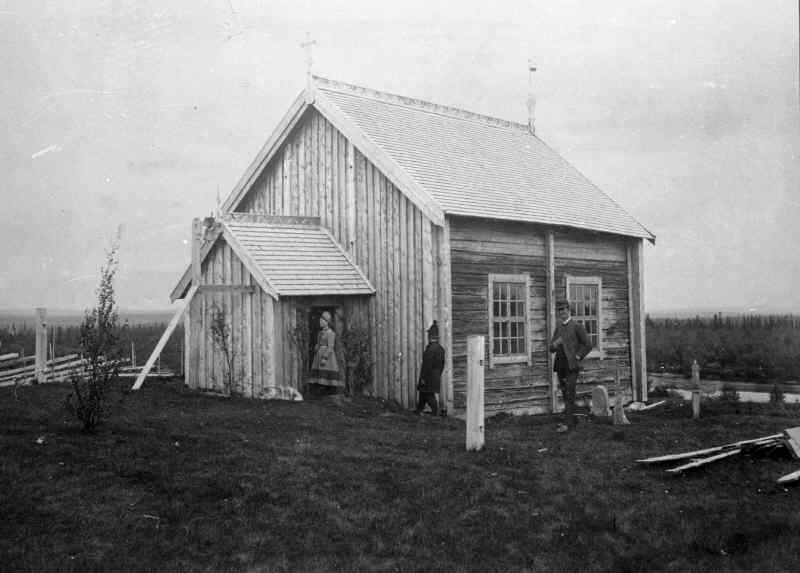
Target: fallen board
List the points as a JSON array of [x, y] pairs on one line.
[[793, 441], [794, 476], [701, 453], [703, 461]]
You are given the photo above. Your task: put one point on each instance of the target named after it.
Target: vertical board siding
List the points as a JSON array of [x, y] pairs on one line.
[[249, 320], [318, 173]]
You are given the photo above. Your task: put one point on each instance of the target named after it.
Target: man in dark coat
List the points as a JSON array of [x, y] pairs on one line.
[[571, 344], [430, 375]]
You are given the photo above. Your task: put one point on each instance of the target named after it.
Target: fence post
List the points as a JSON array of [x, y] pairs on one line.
[[133, 354], [695, 390], [475, 351], [41, 345]]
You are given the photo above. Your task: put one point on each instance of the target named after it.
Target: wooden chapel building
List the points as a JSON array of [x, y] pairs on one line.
[[391, 212]]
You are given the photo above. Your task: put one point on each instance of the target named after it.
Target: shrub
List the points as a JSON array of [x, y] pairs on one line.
[[100, 334], [221, 335], [357, 359]]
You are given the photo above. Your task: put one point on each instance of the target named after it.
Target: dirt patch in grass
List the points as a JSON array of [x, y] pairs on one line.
[[178, 480]]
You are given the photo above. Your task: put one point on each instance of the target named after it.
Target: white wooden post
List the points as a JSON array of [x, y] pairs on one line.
[[695, 390], [41, 345], [133, 354], [475, 350]]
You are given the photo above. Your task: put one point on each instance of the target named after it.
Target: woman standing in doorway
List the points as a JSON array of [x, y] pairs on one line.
[[325, 367]]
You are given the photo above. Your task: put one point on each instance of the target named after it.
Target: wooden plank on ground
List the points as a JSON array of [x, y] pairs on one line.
[[703, 461], [700, 453], [164, 338], [788, 478]]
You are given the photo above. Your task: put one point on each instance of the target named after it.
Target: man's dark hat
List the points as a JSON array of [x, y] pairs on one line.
[[562, 303], [434, 330]]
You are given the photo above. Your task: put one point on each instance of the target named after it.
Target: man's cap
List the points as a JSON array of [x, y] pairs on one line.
[[562, 303], [434, 330]]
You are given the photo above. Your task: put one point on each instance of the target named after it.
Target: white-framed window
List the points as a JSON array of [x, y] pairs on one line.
[[509, 336], [585, 295]]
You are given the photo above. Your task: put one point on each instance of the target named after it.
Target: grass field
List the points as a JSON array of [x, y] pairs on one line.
[[179, 481]]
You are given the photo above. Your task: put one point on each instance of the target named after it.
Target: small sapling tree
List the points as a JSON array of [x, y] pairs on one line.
[[100, 335], [221, 334]]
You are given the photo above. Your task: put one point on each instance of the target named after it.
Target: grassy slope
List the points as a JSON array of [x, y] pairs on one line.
[[182, 481]]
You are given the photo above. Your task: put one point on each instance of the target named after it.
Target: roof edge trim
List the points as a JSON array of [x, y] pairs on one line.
[[382, 160], [268, 150], [348, 258], [249, 263]]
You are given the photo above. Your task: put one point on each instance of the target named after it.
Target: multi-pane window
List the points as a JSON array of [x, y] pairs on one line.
[[584, 295], [508, 304]]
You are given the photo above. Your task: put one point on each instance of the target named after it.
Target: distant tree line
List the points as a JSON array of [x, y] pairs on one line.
[[751, 347], [21, 338]]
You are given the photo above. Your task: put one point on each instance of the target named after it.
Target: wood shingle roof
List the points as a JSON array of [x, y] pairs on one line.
[[299, 259], [478, 166]]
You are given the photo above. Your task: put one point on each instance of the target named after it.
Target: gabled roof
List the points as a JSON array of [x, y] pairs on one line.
[[480, 166], [453, 162], [287, 256]]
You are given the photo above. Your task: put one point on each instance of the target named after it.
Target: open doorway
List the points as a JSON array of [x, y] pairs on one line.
[[325, 373]]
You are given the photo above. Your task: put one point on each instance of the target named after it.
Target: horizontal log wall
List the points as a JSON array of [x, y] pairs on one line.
[[478, 248], [317, 172], [599, 255], [481, 247]]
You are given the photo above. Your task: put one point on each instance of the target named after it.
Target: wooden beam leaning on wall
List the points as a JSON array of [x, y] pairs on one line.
[[164, 338]]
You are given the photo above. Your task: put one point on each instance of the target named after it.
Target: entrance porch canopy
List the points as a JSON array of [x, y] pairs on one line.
[[287, 256]]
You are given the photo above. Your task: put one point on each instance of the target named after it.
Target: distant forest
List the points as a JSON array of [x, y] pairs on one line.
[[754, 348], [21, 337]]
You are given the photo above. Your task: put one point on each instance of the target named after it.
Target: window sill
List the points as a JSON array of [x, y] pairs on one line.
[[513, 359]]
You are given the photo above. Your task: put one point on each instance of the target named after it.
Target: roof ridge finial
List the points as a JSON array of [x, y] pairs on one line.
[[531, 103]]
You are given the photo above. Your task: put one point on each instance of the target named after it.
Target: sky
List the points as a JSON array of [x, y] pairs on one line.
[[136, 115]]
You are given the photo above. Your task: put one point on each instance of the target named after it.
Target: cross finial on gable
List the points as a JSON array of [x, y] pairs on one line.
[[531, 103]]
